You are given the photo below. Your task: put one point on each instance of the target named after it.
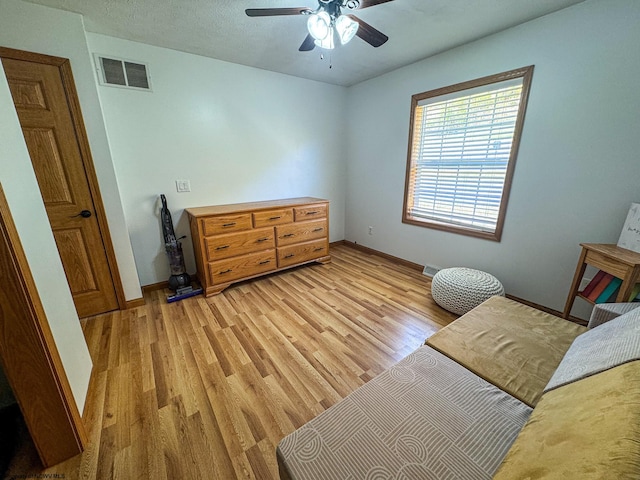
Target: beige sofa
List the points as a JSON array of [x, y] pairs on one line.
[[505, 392]]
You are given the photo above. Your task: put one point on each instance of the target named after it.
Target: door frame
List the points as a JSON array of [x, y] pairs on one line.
[[64, 65]]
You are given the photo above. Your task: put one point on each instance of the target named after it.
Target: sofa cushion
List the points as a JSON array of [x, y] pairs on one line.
[[515, 347], [426, 417], [603, 347], [585, 430]]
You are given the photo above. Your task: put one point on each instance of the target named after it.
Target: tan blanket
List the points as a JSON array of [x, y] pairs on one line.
[[586, 430], [515, 347]]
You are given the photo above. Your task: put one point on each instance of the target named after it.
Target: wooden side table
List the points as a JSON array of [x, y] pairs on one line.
[[619, 262]]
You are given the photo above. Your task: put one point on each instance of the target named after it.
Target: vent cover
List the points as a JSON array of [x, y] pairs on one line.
[[122, 73], [430, 270]]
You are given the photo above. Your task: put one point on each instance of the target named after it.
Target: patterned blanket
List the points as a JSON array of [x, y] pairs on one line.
[[426, 417]]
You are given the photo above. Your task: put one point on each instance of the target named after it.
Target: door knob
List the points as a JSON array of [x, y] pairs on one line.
[[83, 214]]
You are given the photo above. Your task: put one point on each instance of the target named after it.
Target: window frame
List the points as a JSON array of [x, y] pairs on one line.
[[526, 73]]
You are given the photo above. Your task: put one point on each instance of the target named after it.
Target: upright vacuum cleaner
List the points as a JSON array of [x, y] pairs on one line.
[[179, 281]]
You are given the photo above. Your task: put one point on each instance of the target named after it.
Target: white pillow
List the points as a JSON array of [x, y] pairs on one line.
[[599, 349]]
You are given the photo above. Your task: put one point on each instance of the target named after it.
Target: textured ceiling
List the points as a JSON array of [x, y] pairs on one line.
[[220, 29]]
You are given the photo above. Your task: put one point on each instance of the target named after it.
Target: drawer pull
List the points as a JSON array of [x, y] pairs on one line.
[[289, 256], [260, 240], [226, 271], [289, 235], [275, 218], [318, 249], [318, 229], [229, 224], [222, 247], [312, 213], [264, 262]]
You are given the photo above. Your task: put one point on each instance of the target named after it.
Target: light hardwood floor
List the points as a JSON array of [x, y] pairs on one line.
[[205, 388]]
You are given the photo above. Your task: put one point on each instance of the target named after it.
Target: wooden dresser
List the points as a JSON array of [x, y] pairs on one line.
[[236, 242]]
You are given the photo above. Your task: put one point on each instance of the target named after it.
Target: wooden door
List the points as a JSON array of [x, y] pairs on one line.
[[58, 148], [29, 356]]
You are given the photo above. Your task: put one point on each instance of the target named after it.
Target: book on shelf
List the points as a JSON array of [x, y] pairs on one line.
[[611, 290], [614, 296], [635, 293], [599, 288], [604, 288], [592, 284]]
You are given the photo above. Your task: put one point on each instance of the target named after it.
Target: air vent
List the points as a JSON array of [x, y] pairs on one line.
[[117, 72], [430, 270]]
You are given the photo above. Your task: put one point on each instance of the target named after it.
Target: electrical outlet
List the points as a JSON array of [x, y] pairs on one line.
[[370, 230], [183, 186]]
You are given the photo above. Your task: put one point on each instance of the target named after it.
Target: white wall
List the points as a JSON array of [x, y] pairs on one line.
[[40, 29], [237, 133], [578, 168]]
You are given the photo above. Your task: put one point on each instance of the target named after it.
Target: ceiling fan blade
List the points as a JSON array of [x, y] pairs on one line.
[[308, 44], [366, 32], [271, 12], [371, 3]]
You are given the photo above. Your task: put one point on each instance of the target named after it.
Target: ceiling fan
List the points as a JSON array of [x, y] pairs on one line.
[[327, 22]]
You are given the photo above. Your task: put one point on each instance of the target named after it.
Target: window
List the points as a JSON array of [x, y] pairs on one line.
[[463, 142]]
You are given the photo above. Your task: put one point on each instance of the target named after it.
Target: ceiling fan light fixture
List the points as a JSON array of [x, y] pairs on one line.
[[319, 26], [346, 28], [327, 42], [327, 26]]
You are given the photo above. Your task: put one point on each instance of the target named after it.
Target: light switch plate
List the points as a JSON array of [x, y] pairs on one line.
[[183, 186]]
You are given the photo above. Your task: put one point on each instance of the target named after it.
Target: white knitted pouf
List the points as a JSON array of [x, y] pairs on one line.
[[461, 289]]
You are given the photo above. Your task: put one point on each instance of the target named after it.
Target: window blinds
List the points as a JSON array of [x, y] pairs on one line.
[[460, 154]]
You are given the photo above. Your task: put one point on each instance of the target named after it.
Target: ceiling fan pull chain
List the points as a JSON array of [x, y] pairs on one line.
[[330, 59]]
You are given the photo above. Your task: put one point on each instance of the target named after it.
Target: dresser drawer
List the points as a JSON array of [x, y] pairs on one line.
[[310, 212], [226, 223], [236, 242], [224, 271], [301, 252], [232, 244], [301, 232], [268, 218]]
